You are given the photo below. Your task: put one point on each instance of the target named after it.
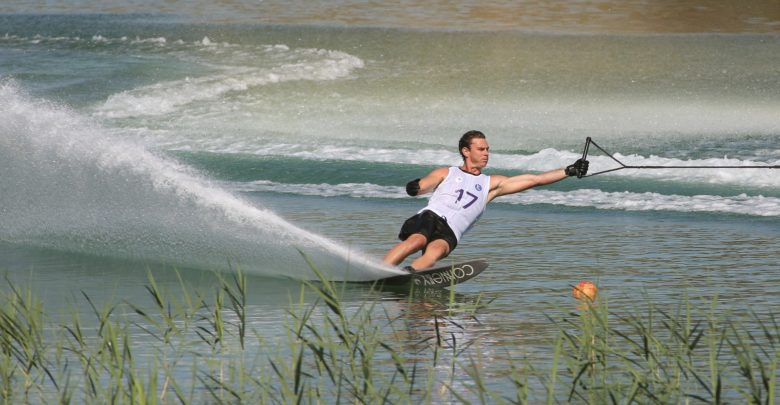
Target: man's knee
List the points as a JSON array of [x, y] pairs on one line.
[[416, 241], [438, 249]]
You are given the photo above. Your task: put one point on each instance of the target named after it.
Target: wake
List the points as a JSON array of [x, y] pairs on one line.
[[69, 185]]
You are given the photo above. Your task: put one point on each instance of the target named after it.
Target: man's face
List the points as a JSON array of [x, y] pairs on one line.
[[478, 152]]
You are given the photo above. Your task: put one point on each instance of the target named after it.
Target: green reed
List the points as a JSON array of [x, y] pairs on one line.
[[662, 357], [204, 350]]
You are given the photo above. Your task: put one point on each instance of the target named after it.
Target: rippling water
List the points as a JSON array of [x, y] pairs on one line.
[[238, 133]]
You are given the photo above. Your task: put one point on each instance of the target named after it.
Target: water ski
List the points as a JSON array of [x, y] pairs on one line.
[[438, 277]]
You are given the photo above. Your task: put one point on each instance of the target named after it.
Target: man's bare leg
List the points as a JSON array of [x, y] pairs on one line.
[[433, 252], [414, 243]]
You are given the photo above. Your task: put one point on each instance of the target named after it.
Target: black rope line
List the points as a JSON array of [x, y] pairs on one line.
[[590, 141]]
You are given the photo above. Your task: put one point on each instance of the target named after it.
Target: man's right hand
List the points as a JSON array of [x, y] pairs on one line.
[[579, 168], [413, 187]]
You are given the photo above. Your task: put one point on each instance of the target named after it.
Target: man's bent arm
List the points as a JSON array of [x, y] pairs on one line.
[[432, 180]]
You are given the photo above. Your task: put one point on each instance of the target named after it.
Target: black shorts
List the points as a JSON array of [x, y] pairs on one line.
[[431, 226]]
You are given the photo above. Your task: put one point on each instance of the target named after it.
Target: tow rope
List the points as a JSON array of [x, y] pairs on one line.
[[589, 141]]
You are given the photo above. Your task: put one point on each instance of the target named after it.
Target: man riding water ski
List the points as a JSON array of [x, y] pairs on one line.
[[460, 195]]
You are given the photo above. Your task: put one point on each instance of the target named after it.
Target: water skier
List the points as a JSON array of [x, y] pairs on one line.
[[460, 195]]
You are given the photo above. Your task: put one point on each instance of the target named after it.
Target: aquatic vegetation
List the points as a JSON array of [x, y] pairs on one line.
[[658, 357], [206, 350]]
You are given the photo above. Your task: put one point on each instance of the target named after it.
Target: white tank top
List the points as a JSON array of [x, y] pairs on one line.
[[460, 199]]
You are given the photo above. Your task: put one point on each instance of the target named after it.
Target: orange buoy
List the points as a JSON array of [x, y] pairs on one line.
[[585, 290]]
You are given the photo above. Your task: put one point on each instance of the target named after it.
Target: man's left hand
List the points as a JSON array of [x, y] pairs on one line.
[[579, 168]]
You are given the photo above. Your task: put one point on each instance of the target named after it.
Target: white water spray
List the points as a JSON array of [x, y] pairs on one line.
[[68, 185]]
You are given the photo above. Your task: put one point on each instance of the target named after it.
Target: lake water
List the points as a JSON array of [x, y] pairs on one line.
[[136, 136]]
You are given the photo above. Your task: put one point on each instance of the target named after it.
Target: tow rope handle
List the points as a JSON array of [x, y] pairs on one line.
[[589, 141], [584, 155]]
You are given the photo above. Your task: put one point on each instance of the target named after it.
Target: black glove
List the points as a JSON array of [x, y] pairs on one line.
[[579, 168], [413, 187]]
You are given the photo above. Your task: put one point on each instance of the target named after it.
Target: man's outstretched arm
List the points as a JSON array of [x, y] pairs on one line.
[[502, 185]]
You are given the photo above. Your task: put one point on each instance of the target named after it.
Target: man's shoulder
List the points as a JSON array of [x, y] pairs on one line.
[[495, 179], [495, 183], [442, 171]]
